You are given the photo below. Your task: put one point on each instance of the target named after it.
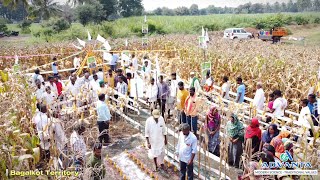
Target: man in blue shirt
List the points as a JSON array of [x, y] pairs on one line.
[[241, 91], [104, 117], [54, 67], [313, 106], [186, 151], [114, 61]]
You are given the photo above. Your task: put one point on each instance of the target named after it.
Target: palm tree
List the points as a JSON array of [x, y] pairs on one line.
[[44, 9], [14, 3]]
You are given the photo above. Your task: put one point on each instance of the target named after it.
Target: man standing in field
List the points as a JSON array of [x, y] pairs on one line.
[[173, 93], [186, 151], [156, 135], [181, 99], [279, 104], [313, 107], [163, 91], [241, 91], [103, 120], [152, 93], [54, 67], [225, 88], [114, 61], [194, 82], [259, 98], [191, 110]]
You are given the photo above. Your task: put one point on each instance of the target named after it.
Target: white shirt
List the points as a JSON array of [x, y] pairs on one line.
[[76, 62], [40, 93], [186, 146], [59, 134], [156, 132], [42, 125], [259, 99], [152, 92], [35, 77], [225, 89], [174, 88], [209, 82], [50, 99], [95, 84], [73, 89], [77, 144], [100, 75], [196, 85], [53, 88], [279, 105], [136, 85], [135, 63], [304, 114]]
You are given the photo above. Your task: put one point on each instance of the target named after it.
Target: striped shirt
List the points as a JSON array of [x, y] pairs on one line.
[[122, 88]]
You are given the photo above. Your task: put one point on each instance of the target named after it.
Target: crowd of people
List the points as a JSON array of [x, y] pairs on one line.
[[166, 97]]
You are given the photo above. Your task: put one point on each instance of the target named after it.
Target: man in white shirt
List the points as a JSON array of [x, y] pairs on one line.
[[100, 74], [36, 76], [78, 145], [76, 62], [279, 104], [151, 94], [134, 63], [42, 124], [225, 88], [186, 151], [194, 82], [259, 98], [50, 99], [304, 114], [173, 93], [52, 85], [94, 83], [73, 86], [40, 91], [156, 135]]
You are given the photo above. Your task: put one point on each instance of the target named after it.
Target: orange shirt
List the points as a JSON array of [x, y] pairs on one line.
[[110, 81], [191, 106]]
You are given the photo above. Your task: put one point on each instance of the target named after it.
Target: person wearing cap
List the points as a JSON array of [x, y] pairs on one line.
[[194, 82], [102, 88], [156, 135], [98, 170], [186, 151], [103, 119]]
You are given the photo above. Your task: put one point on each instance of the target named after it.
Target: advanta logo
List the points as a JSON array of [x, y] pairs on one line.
[[284, 157]]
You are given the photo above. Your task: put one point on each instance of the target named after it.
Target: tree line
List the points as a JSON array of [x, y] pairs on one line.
[[248, 8]]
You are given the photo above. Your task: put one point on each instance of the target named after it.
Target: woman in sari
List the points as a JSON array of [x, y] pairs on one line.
[[212, 128], [268, 135], [254, 132], [235, 132]]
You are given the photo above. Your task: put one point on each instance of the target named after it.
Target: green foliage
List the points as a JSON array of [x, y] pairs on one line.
[[317, 20], [60, 25], [130, 8], [107, 30], [90, 13], [301, 20], [3, 27], [25, 26]]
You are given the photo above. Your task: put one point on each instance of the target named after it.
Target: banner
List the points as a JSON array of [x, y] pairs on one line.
[[144, 41], [91, 61], [202, 42]]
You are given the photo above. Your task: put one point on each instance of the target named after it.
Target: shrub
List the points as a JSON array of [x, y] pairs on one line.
[[107, 29], [60, 25], [301, 20], [316, 20], [25, 26], [3, 27]]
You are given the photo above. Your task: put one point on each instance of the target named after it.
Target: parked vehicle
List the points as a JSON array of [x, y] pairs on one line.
[[274, 34], [236, 33]]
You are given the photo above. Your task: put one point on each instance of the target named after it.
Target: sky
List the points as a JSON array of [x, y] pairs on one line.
[[153, 4]]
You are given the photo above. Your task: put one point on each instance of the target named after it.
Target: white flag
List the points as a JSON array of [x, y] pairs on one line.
[[126, 42], [82, 43], [145, 18], [107, 46], [203, 33], [89, 36], [107, 56], [207, 36], [101, 39], [16, 59], [78, 47]]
